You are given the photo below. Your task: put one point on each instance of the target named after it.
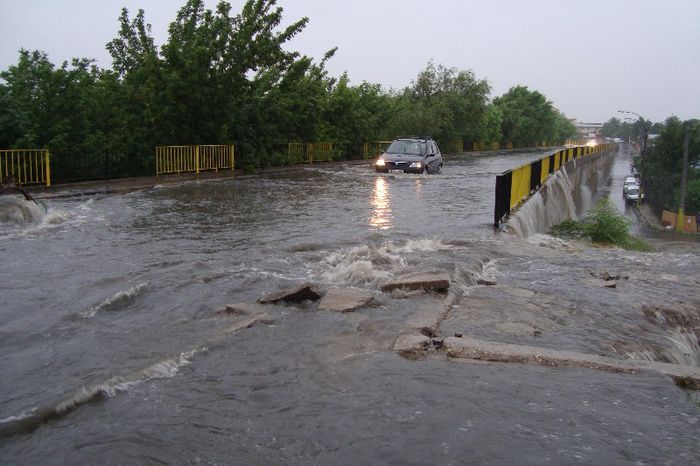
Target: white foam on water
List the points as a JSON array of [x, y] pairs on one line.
[[551, 242], [118, 300], [489, 270], [370, 264], [166, 368], [359, 265], [16, 210], [414, 245], [19, 417], [683, 348]]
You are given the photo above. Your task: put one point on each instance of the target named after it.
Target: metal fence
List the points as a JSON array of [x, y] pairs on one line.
[[26, 166], [374, 149], [310, 152], [194, 158]]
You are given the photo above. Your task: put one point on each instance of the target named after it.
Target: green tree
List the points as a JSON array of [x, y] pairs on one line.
[[446, 103], [662, 165], [489, 129], [530, 119]]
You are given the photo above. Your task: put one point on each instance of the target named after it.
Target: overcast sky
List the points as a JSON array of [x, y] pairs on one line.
[[590, 58]]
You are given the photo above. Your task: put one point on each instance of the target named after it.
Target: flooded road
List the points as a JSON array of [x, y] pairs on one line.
[[114, 353]]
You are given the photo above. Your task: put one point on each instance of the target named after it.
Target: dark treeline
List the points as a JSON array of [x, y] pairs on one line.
[[662, 164], [222, 78]]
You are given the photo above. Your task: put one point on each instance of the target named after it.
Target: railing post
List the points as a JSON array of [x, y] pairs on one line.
[[233, 158], [196, 158], [48, 169]]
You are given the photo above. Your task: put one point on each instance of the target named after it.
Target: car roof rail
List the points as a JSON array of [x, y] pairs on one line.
[[415, 137]]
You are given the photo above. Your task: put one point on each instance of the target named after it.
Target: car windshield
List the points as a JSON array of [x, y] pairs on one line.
[[407, 148], [633, 191]]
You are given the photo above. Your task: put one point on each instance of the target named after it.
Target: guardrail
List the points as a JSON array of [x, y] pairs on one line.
[[26, 166], [516, 185], [194, 158]]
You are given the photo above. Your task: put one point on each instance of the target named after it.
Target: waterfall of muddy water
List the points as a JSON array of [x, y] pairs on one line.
[[113, 351], [567, 194]]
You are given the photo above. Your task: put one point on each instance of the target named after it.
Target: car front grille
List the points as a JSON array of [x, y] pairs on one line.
[[393, 165]]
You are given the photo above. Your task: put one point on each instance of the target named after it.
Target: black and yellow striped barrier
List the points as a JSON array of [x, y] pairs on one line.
[[516, 185]]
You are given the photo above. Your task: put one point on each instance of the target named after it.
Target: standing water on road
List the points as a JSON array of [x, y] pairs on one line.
[[114, 353]]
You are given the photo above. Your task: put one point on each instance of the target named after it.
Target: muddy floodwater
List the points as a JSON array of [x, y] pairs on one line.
[[113, 351]]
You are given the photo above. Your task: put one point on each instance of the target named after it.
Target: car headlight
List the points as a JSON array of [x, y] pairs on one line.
[[380, 162], [416, 165]]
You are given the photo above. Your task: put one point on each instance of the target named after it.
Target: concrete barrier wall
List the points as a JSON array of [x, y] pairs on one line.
[[566, 194], [560, 185]]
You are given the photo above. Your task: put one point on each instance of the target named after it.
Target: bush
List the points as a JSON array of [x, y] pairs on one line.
[[604, 225]]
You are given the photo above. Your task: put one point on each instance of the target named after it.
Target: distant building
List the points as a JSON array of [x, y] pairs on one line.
[[588, 130]]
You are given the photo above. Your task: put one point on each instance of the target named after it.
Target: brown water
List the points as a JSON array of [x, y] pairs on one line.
[[113, 352]]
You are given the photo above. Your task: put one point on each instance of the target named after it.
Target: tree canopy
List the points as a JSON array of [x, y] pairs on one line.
[[663, 164], [223, 78]]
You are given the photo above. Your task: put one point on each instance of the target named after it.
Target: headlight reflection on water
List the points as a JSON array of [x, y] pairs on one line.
[[381, 207]]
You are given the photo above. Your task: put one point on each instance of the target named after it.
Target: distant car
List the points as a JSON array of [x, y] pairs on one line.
[[629, 180], [632, 194], [410, 155]]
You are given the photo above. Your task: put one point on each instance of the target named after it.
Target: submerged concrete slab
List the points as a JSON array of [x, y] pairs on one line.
[[293, 295], [242, 309], [250, 322], [345, 300], [428, 280], [471, 348], [411, 345]]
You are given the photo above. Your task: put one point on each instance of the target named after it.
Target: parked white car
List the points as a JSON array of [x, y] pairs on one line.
[[632, 194], [629, 180]]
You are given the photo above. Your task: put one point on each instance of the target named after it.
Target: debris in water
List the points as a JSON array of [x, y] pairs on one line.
[[481, 281]]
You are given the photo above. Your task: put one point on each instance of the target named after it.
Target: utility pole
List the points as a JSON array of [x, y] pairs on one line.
[[680, 219]]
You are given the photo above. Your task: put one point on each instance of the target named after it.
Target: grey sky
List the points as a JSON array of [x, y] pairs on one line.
[[588, 57]]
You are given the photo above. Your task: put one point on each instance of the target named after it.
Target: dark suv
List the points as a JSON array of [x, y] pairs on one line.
[[410, 155]]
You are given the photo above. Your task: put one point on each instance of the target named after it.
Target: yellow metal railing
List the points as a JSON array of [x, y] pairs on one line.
[[296, 152], [26, 166], [374, 149], [300, 152], [320, 152], [194, 158]]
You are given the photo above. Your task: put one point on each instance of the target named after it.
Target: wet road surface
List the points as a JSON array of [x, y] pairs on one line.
[[116, 296]]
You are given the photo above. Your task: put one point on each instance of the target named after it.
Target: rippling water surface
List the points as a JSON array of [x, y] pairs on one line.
[[113, 353]]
